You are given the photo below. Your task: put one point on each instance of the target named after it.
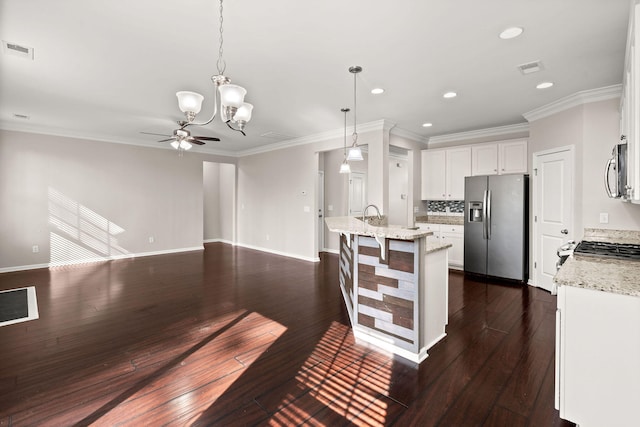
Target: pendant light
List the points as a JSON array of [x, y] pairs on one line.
[[233, 109], [344, 167], [355, 153]]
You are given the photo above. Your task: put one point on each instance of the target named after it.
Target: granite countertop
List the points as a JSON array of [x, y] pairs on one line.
[[441, 219], [603, 274], [352, 225], [434, 247]]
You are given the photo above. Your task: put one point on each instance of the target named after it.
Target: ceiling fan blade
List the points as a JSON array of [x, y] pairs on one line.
[[207, 138], [166, 140], [193, 140]]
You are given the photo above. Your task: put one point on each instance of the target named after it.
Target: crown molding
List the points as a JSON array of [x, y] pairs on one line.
[[577, 99], [481, 133], [378, 125], [51, 131], [403, 133]]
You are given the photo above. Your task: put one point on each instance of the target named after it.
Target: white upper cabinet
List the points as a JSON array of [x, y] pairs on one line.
[[499, 158], [443, 173], [484, 159]]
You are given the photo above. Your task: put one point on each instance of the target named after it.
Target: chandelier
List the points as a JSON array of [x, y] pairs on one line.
[[355, 153], [233, 110]]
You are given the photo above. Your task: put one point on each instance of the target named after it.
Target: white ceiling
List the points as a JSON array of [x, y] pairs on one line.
[[109, 70]]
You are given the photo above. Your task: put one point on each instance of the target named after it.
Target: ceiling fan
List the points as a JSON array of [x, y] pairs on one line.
[[182, 139]]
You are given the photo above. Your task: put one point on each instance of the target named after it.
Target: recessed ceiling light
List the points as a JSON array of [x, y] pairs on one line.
[[450, 95], [544, 85], [511, 33], [427, 125], [377, 91]]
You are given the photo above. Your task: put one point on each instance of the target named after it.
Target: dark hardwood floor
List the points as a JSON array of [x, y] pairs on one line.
[[232, 336]]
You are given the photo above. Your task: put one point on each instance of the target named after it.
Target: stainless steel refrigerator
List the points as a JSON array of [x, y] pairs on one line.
[[496, 226]]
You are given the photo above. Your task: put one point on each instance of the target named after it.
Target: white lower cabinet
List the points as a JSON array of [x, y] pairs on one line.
[[597, 357], [444, 233]]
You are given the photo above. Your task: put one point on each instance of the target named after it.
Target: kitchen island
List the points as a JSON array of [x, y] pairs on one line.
[[395, 285]]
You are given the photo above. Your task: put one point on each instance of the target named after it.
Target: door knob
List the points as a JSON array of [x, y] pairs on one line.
[[565, 231]]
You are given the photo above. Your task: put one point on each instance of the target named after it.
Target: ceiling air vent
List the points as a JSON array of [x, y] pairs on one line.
[[15, 49], [530, 67]]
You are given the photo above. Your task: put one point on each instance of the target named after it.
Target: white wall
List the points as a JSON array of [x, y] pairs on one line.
[[273, 190], [593, 128], [601, 132], [398, 188], [219, 181], [86, 200]]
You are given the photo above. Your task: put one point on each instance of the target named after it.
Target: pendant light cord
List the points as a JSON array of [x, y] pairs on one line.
[[355, 133]]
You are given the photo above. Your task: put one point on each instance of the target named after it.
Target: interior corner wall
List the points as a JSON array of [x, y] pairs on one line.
[[83, 200], [211, 200], [227, 207]]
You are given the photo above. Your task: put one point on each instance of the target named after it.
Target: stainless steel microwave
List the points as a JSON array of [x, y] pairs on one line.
[[616, 172]]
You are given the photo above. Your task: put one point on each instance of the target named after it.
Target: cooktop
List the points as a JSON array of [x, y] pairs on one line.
[[608, 250]]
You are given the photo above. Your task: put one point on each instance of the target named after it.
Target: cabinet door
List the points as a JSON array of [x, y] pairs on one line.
[[454, 234], [599, 350], [433, 175], [484, 159], [435, 228], [512, 157], [458, 167]]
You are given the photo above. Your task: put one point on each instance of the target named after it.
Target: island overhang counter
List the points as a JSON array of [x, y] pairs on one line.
[[395, 285]]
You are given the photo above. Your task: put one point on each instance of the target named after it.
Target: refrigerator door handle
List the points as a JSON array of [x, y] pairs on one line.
[[488, 217], [484, 215]]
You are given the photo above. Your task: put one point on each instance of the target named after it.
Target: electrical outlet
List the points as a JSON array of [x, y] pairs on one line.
[[604, 218], [151, 239], [307, 209], [330, 207], [267, 237], [416, 209], [35, 249]]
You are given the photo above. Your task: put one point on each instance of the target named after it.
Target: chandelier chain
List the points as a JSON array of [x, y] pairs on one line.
[[221, 64]]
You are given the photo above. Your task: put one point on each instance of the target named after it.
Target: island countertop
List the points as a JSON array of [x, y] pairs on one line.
[[352, 225]]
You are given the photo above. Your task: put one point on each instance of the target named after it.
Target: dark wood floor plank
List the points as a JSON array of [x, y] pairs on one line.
[[232, 336]]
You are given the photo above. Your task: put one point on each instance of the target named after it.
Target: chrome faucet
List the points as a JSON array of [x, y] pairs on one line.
[[364, 212]]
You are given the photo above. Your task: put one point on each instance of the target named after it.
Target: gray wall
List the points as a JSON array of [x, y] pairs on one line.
[[81, 200], [219, 186]]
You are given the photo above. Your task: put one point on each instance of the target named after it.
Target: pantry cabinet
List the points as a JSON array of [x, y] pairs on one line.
[[443, 173], [499, 158]]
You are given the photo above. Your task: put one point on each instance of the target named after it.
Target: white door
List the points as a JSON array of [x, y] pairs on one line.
[[552, 210], [320, 206], [357, 193]]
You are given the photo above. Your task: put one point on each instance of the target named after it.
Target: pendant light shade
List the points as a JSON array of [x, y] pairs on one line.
[[344, 167], [355, 153]]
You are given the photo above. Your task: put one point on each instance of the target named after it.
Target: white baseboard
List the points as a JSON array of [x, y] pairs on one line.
[[229, 242], [271, 251], [97, 259], [331, 251]]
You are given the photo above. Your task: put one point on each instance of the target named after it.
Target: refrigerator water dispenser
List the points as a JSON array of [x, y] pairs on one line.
[[475, 211]]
